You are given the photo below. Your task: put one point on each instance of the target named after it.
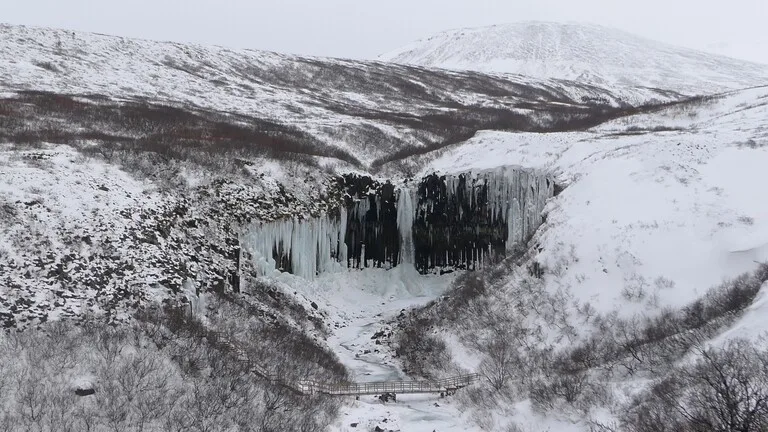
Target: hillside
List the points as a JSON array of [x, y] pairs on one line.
[[584, 53], [657, 216], [181, 224], [356, 112]]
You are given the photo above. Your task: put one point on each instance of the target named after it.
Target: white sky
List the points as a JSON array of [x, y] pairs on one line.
[[366, 28]]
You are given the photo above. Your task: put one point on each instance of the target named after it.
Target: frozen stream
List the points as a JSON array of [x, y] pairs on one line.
[[362, 303]]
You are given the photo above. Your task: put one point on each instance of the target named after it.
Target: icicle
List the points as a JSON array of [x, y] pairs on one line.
[[309, 245], [340, 238], [405, 217]]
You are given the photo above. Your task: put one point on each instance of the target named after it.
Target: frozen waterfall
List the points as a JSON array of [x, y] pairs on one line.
[[464, 220], [302, 247], [405, 215], [461, 221]]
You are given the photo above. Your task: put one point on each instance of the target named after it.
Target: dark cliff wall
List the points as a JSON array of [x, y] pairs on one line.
[[455, 228], [459, 221], [372, 236]]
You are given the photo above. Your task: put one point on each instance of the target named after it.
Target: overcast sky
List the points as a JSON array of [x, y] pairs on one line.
[[365, 28]]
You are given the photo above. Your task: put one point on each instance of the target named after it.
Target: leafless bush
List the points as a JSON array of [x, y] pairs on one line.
[[655, 343], [726, 389], [502, 358], [167, 371], [751, 144], [128, 130], [467, 287], [421, 352], [746, 220], [577, 389]]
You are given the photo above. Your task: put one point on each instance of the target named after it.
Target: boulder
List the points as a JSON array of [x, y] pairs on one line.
[[388, 397], [84, 391]]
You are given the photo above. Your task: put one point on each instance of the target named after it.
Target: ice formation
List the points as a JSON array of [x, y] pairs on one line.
[[463, 220], [457, 221], [302, 247], [372, 231], [405, 215]]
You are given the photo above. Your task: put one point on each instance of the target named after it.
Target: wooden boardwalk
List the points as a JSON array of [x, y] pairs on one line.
[[398, 387]]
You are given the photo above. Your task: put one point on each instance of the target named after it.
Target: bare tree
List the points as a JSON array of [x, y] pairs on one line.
[[32, 402], [725, 390], [501, 357]]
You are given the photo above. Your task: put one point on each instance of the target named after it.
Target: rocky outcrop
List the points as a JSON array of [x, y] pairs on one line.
[[372, 236]]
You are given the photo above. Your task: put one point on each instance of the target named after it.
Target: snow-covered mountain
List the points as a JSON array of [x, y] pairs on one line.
[[581, 52]]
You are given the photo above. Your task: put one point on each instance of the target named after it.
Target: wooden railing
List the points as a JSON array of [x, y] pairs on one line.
[[399, 387]]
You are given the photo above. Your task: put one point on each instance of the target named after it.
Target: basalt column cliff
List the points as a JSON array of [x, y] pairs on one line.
[[442, 221]]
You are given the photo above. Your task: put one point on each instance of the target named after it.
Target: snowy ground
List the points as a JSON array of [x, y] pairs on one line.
[[360, 303], [58, 208], [648, 218]]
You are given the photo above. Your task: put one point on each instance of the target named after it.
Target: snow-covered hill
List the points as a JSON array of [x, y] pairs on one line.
[[668, 196], [581, 52], [370, 110], [132, 172]]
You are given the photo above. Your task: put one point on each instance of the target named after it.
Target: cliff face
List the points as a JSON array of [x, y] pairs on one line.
[[372, 236], [451, 221], [462, 221]]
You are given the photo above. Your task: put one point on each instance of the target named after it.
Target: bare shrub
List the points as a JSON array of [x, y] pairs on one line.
[[421, 352], [501, 358], [167, 371], [32, 399], [129, 130], [746, 220], [726, 389], [578, 389], [751, 144], [655, 343]]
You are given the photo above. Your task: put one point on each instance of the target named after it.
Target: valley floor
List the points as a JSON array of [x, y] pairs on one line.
[[362, 304]]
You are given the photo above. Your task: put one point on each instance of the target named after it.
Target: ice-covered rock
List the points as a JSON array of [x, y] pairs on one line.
[[457, 221], [302, 247]]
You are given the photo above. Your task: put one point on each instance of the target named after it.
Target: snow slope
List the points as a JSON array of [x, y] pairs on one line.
[[360, 304], [79, 235], [581, 52], [658, 208], [370, 109]]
